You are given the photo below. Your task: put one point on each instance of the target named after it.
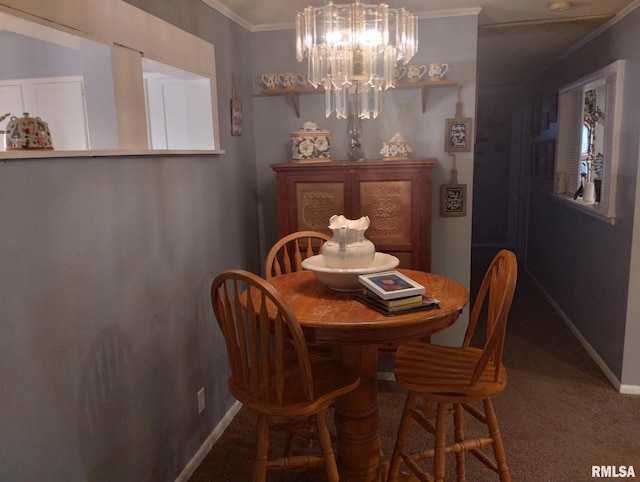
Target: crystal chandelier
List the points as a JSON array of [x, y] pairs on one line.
[[354, 49]]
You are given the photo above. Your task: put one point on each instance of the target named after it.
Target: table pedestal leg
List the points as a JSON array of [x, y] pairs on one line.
[[357, 417]]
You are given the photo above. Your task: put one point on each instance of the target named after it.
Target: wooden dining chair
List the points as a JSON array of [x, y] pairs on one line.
[[455, 378], [287, 254], [272, 371]]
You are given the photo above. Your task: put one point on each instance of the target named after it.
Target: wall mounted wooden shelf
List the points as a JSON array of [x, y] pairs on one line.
[[294, 94], [425, 86]]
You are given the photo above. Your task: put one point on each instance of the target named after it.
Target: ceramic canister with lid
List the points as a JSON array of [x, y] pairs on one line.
[[27, 133], [310, 144]]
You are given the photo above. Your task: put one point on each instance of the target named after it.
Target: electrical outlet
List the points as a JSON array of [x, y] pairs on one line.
[[201, 403]]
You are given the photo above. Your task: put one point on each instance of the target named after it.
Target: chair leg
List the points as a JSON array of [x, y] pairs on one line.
[[498, 446], [262, 449], [458, 423], [327, 448], [440, 448], [403, 432]]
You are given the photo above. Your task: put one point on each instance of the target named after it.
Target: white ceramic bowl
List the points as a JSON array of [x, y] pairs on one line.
[[347, 279]]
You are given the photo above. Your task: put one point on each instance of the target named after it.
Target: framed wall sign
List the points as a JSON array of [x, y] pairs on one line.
[[236, 117], [457, 131], [458, 135], [453, 196], [453, 200], [236, 109]]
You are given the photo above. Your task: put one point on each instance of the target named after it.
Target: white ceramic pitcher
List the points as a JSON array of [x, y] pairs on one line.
[[348, 248]]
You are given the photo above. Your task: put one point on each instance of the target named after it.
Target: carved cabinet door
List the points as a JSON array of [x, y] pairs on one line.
[[316, 201], [397, 207]]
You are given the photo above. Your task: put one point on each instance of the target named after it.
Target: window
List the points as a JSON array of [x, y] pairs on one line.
[[94, 82], [589, 126]]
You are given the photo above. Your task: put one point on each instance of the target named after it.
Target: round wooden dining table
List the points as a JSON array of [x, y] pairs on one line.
[[355, 331]]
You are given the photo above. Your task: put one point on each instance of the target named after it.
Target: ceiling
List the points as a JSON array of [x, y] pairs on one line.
[[516, 37]]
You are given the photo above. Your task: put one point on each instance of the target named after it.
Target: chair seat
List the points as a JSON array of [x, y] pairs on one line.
[[444, 372], [330, 379]]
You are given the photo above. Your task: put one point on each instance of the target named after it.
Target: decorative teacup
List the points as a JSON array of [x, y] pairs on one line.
[[416, 72], [400, 71], [289, 80], [437, 71], [270, 81], [302, 79]]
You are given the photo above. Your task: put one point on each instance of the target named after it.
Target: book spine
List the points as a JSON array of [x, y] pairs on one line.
[[392, 303]]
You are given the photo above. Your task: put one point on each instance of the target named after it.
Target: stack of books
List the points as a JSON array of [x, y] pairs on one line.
[[392, 293]]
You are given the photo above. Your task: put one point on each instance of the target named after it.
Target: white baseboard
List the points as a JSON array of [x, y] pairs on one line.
[[205, 448], [630, 389], [613, 379]]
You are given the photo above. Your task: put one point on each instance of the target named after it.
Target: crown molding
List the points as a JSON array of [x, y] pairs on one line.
[[454, 12], [216, 5], [231, 15]]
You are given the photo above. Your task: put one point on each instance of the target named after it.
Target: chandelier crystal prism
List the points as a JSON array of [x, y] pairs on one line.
[[354, 49]]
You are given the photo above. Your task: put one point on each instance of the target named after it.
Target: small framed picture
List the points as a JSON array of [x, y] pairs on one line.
[[236, 109], [453, 200], [390, 285], [236, 117], [458, 135]]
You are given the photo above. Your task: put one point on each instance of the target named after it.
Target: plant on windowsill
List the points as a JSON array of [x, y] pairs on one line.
[[593, 115]]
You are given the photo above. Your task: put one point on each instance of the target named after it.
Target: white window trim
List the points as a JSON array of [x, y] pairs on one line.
[[568, 147]]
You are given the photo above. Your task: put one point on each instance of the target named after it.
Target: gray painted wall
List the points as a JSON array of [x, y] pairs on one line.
[[583, 263], [106, 327], [106, 333], [492, 171]]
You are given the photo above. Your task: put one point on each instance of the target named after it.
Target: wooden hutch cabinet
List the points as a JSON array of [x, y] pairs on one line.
[[396, 195]]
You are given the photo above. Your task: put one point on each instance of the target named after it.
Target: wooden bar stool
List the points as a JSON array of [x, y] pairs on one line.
[[272, 371], [454, 378]]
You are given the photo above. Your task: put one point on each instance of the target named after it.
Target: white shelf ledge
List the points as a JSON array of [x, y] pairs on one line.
[[44, 154]]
